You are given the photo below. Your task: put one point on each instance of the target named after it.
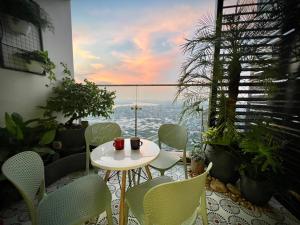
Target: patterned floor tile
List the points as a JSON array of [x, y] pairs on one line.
[[221, 210]]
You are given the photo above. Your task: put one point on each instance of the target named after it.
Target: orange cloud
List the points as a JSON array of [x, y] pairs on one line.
[[97, 66], [145, 65], [141, 69], [84, 54]]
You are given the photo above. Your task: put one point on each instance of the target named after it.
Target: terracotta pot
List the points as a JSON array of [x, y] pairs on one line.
[[197, 167]]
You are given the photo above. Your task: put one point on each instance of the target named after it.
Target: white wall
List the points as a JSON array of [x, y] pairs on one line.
[[22, 92]]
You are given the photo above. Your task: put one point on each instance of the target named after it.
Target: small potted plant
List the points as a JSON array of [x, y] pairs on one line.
[[197, 159], [261, 164], [22, 13], [76, 101], [38, 62]]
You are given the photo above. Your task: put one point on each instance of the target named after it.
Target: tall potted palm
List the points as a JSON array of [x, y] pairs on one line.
[[202, 66]]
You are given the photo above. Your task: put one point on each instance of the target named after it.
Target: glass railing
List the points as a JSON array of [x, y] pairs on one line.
[[140, 110]]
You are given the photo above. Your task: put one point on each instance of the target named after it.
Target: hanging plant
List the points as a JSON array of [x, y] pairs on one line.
[[26, 10], [41, 62]]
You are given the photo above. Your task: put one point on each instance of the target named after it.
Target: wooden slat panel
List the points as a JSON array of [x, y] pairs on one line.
[[282, 108]]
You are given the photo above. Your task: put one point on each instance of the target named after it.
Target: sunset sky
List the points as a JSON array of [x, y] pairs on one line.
[[132, 41]]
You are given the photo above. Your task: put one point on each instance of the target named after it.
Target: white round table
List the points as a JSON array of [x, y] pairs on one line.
[[106, 157]]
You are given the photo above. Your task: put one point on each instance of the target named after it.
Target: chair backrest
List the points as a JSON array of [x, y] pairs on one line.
[[173, 135], [75, 203], [98, 134], [26, 171], [175, 202]]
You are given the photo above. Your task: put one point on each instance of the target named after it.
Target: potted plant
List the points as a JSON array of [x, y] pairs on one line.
[[197, 159], [222, 146], [76, 101], [38, 62], [261, 164], [223, 151], [22, 13]]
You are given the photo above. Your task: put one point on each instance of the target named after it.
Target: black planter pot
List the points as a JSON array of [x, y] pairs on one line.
[[64, 166], [225, 164], [72, 141], [257, 192]]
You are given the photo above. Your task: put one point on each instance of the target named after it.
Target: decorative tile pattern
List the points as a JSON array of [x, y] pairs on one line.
[[221, 209]]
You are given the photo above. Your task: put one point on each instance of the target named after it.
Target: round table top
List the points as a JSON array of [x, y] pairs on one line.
[[106, 157]]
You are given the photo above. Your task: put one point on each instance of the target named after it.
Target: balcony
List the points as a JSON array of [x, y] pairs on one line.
[[244, 69]]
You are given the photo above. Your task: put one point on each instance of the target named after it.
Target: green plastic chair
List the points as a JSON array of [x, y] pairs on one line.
[[98, 134], [73, 204], [174, 136], [162, 201]]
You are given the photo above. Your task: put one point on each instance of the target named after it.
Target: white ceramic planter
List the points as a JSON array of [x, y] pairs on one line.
[[35, 67], [17, 26]]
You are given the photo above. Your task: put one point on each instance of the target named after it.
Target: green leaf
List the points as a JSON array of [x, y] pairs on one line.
[[19, 134], [18, 119], [10, 124], [48, 137]]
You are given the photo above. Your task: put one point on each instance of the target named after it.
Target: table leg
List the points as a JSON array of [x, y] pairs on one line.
[[139, 175], [133, 177], [107, 175], [122, 199], [129, 177], [148, 172]]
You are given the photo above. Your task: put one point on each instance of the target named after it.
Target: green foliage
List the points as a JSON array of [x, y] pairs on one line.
[[27, 10], [47, 137], [260, 152], [78, 100], [41, 57], [14, 127], [204, 66], [191, 106], [19, 135], [224, 134], [27, 135]]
